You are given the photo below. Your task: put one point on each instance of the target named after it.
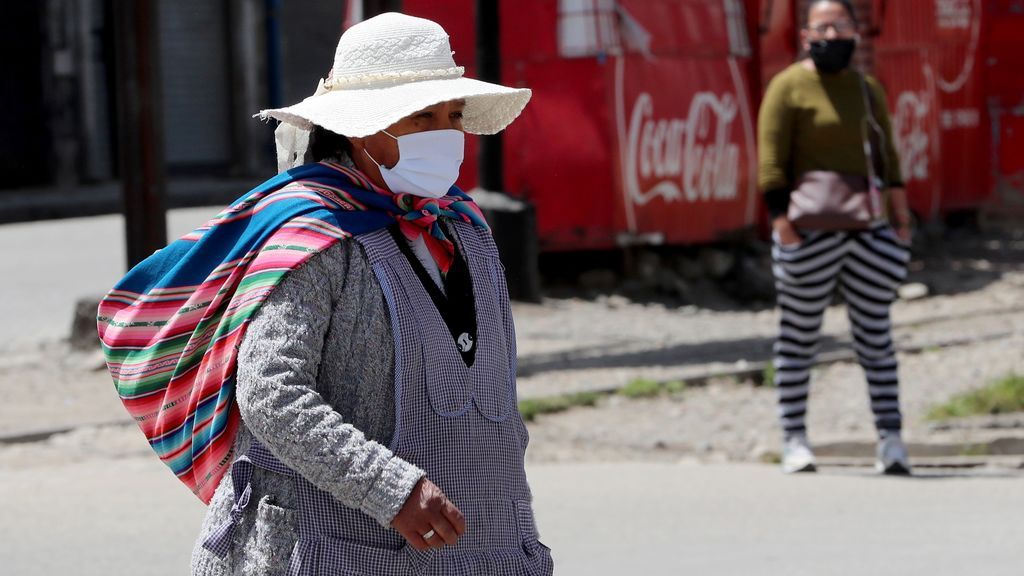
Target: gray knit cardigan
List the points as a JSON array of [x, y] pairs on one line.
[[315, 385]]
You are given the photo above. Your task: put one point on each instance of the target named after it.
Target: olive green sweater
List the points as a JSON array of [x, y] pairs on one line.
[[810, 121]]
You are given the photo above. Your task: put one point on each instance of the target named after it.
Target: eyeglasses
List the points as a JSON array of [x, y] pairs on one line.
[[840, 26]]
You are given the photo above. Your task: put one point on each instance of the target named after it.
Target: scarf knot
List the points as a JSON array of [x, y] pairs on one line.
[[420, 218]]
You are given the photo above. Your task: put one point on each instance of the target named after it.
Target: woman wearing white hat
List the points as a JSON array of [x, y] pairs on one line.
[[380, 433], [373, 360]]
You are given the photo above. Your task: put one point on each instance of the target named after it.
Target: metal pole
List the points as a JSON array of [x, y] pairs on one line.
[[373, 8], [488, 62], [143, 179], [275, 81]]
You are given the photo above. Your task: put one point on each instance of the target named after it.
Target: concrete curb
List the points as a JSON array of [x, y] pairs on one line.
[[41, 434], [1003, 446], [1012, 462], [1004, 453]]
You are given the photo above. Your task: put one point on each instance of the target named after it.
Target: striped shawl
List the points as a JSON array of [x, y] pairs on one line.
[[171, 328]]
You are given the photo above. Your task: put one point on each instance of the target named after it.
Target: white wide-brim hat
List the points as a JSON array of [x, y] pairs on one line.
[[391, 66]]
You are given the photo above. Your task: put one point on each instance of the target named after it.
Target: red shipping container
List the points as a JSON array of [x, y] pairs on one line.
[[641, 127], [1004, 89], [938, 60], [777, 28]]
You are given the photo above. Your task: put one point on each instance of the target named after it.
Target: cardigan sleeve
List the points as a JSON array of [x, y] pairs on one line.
[[278, 365]]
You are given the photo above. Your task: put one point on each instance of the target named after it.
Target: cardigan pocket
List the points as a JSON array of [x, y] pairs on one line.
[[275, 534]]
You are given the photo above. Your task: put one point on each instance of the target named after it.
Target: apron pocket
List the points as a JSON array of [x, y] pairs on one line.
[[528, 529], [344, 558], [538, 555], [449, 391]]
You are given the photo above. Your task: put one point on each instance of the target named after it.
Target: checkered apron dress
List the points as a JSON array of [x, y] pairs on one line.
[[460, 424]]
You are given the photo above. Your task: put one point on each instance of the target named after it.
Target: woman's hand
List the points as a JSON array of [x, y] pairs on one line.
[[903, 232], [427, 512], [899, 214], [785, 232]]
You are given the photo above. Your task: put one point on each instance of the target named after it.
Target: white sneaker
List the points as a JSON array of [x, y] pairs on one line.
[[892, 456], [797, 455]]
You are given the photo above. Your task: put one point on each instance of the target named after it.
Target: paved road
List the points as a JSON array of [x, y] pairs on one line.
[[48, 265], [129, 516]]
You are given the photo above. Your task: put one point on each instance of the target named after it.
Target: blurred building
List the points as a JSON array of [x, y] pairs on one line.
[[220, 61]]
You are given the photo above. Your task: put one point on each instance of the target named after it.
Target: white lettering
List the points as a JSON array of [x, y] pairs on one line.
[[953, 14], [962, 118], [911, 138], [689, 158]]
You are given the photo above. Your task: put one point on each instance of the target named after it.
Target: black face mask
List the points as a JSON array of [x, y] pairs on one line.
[[831, 56]]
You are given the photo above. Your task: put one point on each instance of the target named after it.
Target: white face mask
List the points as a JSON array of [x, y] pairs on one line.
[[428, 163]]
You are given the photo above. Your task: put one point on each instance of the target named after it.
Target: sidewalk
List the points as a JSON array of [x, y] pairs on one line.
[[49, 265], [29, 204]]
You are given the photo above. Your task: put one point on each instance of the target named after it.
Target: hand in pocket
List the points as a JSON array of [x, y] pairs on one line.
[[785, 234]]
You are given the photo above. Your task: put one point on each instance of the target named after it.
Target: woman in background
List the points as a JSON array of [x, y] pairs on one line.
[[813, 123]]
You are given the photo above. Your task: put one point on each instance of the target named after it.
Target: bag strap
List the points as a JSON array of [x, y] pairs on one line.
[[875, 156]]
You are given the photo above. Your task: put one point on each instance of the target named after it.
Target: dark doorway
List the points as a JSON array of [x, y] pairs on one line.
[[24, 142]]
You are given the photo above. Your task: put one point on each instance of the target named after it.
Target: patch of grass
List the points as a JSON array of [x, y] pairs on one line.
[[768, 374], [974, 450], [530, 408], [1000, 397], [643, 388], [675, 386]]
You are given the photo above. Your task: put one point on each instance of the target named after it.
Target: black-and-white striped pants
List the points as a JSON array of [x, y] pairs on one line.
[[868, 266]]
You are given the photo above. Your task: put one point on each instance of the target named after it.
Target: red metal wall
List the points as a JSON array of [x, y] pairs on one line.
[[930, 57], [778, 25], [559, 154], [458, 18], [657, 143], [615, 148], [643, 146], [1004, 91]]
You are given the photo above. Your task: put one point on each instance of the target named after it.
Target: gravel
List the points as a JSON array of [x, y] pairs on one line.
[[736, 421]]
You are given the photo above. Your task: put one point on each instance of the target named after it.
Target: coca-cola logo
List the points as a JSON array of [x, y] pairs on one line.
[[955, 14], [909, 121], [688, 159]]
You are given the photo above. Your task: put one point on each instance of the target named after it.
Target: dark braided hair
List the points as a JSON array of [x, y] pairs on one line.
[[846, 4], [325, 144]]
